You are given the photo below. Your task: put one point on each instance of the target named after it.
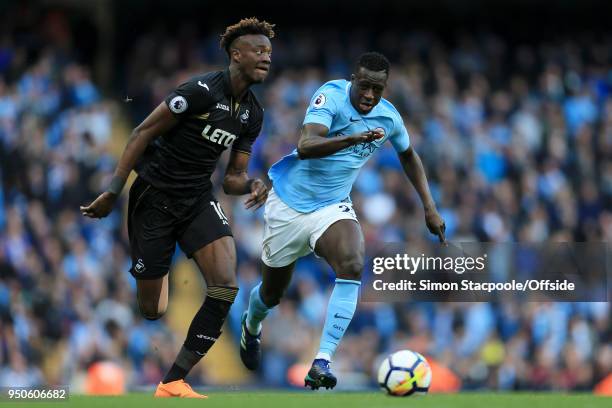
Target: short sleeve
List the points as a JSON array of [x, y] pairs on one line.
[[245, 141], [322, 107], [399, 138], [192, 97]]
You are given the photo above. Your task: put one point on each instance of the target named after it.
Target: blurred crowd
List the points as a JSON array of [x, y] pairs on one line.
[[516, 140]]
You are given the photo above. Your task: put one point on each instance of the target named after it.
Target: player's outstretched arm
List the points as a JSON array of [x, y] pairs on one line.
[[314, 142], [158, 122], [237, 182], [413, 167]]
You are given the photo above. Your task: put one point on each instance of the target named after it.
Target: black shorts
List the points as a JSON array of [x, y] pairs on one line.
[[157, 221]]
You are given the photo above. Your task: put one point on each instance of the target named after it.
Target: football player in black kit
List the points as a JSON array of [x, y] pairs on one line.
[[175, 151]]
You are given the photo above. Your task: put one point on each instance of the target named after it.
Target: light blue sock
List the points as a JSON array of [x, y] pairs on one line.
[[257, 311], [340, 310]]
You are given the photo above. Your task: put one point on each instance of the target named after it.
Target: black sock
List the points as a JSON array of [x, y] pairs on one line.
[[175, 373], [204, 330]]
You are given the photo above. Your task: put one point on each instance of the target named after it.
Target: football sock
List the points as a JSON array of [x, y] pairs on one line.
[[257, 311], [204, 330], [340, 310]]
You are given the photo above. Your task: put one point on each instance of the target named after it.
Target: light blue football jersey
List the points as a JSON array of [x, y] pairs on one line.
[[310, 184]]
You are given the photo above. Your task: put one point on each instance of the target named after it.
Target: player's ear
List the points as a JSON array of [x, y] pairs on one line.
[[236, 56]]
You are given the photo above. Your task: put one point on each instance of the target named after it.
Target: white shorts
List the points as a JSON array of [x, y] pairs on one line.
[[289, 234]]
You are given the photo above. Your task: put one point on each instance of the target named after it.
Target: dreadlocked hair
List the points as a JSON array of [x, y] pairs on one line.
[[244, 27], [373, 61]]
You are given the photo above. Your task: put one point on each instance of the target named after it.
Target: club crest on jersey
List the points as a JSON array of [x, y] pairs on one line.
[[218, 136], [178, 104], [364, 149], [319, 101], [244, 118]]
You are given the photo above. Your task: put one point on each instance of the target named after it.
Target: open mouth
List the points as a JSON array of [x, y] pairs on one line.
[[365, 106]]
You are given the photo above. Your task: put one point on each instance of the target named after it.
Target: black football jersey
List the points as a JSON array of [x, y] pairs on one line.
[[181, 161]]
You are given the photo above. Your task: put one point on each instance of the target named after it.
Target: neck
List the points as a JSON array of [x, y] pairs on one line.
[[238, 82]]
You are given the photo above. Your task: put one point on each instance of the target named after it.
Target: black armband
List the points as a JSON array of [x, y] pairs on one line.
[[116, 185]]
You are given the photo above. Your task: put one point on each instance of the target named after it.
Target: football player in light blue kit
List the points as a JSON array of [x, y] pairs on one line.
[[309, 208]]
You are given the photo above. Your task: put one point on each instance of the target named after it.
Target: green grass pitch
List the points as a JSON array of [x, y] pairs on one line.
[[243, 399]]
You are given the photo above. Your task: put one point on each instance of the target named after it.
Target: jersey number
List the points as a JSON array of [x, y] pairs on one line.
[[219, 212]]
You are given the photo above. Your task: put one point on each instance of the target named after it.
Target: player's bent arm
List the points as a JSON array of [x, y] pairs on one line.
[[413, 167], [237, 182], [158, 122], [313, 142], [154, 125]]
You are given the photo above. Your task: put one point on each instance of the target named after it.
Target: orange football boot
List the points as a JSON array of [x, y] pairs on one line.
[[178, 389]]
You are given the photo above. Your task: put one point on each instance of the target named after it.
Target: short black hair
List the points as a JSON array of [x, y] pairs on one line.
[[374, 61], [244, 27]]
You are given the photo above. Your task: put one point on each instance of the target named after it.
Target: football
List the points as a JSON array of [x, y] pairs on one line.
[[404, 373]]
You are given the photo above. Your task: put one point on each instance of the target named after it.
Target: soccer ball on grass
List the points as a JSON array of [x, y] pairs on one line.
[[404, 373]]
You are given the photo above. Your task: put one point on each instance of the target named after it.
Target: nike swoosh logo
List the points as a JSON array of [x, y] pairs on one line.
[[200, 354], [334, 337], [355, 120], [337, 316], [203, 85]]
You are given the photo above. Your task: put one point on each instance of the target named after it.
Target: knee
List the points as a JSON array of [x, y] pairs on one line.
[[227, 279], [349, 268], [151, 310]]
